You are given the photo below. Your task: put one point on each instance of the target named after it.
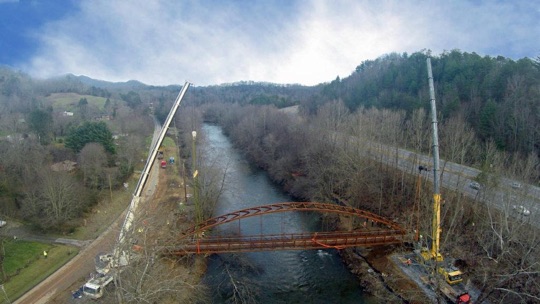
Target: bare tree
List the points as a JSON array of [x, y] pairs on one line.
[[237, 283], [332, 116], [508, 267], [153, 276], [457, 140], [92, 161], [129, 152], [54, 200], [418, 131]]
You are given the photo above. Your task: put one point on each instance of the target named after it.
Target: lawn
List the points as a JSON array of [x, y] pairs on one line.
[[168, 143], [25, 262], [70, 101], [19, 254]]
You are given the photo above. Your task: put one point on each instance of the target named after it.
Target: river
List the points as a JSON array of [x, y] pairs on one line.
[[300, 276]]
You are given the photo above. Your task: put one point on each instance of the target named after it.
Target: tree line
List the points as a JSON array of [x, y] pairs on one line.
[[496, 96]]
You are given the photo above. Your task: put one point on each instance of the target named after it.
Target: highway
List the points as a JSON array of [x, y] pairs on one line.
[[456, 177]]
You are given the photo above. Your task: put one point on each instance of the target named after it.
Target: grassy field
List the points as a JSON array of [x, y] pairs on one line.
[[169, 149], [26, 265], [168, 143], [70, 101]]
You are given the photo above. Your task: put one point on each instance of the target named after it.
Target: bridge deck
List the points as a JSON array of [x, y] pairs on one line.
[[296, 241]]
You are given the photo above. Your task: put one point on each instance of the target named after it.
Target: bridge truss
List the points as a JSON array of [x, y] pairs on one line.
[[376, 230]]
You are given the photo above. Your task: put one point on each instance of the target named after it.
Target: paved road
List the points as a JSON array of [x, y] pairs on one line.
[[80, 266], [457, 177]]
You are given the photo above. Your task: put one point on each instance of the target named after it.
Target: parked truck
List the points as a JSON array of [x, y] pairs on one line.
[[94, 287]]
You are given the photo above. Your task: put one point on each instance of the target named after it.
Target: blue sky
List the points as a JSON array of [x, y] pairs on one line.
[[163, 42]]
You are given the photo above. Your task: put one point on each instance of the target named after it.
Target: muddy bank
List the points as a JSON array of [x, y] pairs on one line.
[[380, 277]]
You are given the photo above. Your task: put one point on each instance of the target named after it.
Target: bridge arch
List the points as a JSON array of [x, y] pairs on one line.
[[288, 207]]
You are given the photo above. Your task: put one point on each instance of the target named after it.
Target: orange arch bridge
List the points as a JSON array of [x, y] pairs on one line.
[[377, 231]]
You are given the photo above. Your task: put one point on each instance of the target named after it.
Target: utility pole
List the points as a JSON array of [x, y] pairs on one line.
[[196, 190]]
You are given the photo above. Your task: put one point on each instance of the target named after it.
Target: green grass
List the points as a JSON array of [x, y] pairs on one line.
[[70, 101], [168, 143], [27, 259], [21, 253]]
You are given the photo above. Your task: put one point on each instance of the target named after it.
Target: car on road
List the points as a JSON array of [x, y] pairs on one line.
[[521, 210], [516, 185], [475, 185], [2, 223]]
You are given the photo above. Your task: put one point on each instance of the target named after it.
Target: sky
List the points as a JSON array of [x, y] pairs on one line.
[[209, 42]]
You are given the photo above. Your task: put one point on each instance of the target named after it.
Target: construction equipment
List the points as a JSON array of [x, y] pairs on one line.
[[453, 294], [434, 253], [451, 274], [108, 264], [94, 287], [432, 256]]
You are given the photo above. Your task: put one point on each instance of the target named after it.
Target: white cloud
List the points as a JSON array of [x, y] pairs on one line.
[[308, 42]]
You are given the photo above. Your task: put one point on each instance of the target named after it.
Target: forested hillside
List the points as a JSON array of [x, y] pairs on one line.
[[498, 97]]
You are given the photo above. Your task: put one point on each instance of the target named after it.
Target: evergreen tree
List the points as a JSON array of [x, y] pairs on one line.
[[41, 122], [88, 132]]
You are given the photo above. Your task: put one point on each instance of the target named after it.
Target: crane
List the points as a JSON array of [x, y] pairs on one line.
[[451, 274], [119, 257], [434, 252]]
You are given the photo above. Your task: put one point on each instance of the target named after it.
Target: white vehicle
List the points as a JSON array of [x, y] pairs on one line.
[[3, 223], [516, 185], [94, 287], [105, 262], [521, 210]]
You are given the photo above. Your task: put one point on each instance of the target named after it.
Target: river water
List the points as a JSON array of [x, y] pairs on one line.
[[299, 276]]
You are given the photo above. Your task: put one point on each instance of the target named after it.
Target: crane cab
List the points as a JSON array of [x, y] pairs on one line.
[[451, 275]]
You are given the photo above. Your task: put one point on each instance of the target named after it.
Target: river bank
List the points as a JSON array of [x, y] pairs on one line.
[[379, 275]]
